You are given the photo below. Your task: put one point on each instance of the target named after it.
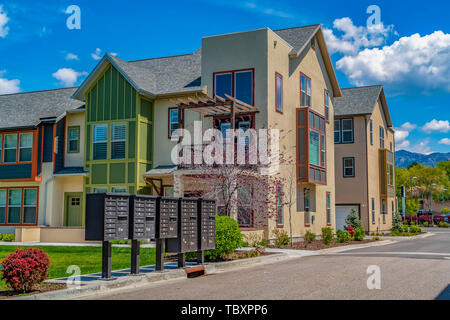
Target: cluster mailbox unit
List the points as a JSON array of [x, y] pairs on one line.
[[107, 218], [180, 225]]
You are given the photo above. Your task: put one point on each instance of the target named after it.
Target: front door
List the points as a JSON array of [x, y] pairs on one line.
[[74, 210]]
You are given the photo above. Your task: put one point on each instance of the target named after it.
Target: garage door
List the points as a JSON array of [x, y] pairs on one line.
[[342, 213]]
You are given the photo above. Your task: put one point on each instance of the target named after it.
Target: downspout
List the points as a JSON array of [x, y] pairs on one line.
[[367, 177], [45, 196]]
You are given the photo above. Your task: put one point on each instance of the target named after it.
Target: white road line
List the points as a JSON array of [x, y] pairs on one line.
[[401, 253]]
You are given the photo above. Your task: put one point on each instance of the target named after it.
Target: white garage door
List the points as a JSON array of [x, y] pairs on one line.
[[342, 213]]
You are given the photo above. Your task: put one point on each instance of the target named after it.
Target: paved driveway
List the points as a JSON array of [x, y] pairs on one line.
[[409, 269]]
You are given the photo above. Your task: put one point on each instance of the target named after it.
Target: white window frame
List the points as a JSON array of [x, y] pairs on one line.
[[15, 148], [103, 125], [124, 139], [30, 147]]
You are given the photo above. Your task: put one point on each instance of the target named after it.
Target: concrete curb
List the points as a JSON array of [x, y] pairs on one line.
[[420, 236], [100, 286], [355, 246]]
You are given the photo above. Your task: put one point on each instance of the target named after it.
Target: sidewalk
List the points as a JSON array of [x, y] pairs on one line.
[[61, 244]]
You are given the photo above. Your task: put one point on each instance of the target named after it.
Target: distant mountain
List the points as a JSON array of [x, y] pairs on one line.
[[404, 158]]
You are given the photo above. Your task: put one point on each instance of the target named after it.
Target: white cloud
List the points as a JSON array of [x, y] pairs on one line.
[[68, 76], [350, 38], [421, 147], [96, 54], [3, 21], [266, 10], [411, 62], [71, 56], [436, 125], [445, 141], [401, 134], [8, 86]]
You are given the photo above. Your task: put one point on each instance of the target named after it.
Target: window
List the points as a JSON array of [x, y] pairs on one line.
[[243, 85], [73, 140], [245, 211], [322, 151], [25, 147], [393, 209], [349, 167], [119, 189], [383, 209], [337, 131], [100, 141], [10, 153], [328, 200], [280, 213], [305, 91], [75, 201], [14, 206], [2, 206], [100, 190], [347, 130], [371, 132], [118, 140], [373, 210], [174, 122], [381, 137], [327, 105], [390, 174], [29, 206], [306, 199], [343, 131], [278, 92], [314, 148]]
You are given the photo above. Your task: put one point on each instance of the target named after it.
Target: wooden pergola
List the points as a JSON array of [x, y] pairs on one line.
[[209, 107]]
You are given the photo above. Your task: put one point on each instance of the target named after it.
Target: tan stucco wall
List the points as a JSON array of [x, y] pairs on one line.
[[353, 190], [309, 62], [56, 198], [75, 159]]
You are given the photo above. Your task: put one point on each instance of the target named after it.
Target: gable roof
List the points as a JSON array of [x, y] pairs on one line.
[[299, 39], [153, 77], [361, 101], [28, 109]]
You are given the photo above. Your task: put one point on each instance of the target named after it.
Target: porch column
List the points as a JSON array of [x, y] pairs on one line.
[[178, 185]]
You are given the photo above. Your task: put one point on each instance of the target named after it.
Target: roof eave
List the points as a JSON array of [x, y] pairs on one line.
[[202, 90]]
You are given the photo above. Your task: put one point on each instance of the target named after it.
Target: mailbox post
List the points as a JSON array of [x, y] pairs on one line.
[[106, 219]]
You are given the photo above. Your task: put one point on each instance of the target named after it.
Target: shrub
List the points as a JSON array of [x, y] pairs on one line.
[[262, 243], [397, 224], [406, 228], [309, 236], [395, 233], [425, 224], [437, 219], [25, 268], [425, 218], [359, 234], [342, 236], [445, 225], [376, 238], [414, 229], [352, 220], [445, 211], [8, 237], [228, 238], [327, 235], [282, 238]]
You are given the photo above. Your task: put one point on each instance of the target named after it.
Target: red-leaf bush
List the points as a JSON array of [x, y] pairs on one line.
[[437, 218], [424, 218], [25, 268]]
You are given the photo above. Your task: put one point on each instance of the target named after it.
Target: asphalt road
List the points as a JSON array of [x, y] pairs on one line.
[[409, 269]]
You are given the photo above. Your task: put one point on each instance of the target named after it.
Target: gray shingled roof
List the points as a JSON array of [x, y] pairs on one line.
[[298, 37], [26, 109], [164, 75], [358, 100]]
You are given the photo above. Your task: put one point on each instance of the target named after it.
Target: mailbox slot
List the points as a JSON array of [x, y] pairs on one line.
[[143, 217]]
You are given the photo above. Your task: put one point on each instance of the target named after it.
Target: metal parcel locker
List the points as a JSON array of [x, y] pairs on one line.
[[187, 228], [206, 224], [143, 213]]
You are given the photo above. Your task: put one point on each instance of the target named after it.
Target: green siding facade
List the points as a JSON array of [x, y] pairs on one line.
[[112, 99]]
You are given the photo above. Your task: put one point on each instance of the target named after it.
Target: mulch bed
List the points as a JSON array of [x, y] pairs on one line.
[[318, 244], [40, 288]]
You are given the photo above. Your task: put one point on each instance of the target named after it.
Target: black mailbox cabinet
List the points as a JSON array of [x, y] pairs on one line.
[[206, 224], [187, 240], [167, 219], [107, 216], [143, 212]]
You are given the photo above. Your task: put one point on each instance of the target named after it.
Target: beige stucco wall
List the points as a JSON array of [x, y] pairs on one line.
[[373, 168], [309, 62], [75, 159], [353, 190]]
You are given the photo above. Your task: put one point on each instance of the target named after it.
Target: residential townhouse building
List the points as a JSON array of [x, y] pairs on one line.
[[365, 158], [41, 165]]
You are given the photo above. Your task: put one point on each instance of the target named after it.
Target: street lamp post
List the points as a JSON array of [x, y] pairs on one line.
[[411, 195], [431, 203]]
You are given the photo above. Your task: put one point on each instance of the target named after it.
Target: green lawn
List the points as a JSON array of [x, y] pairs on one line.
[[89, 259]]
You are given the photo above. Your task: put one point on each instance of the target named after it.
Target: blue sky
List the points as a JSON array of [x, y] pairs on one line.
[[409, 52]]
